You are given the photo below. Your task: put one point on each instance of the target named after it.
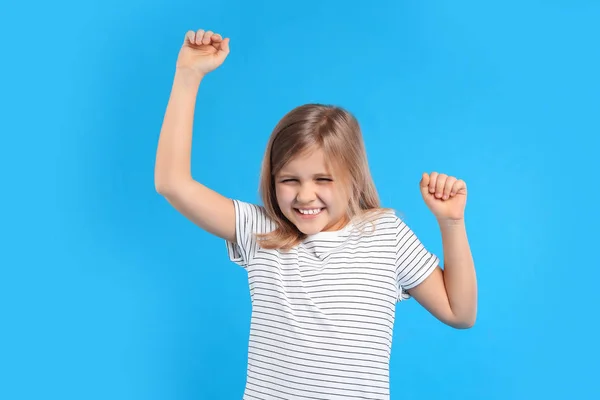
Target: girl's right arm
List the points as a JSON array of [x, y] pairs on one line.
[[201, 53]]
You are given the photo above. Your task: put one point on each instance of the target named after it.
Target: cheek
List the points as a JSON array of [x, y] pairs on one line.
[[284, 195], [338, 200], [328, 196]]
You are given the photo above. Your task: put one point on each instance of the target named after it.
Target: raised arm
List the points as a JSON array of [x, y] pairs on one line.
[[201, 53], [451, 294]]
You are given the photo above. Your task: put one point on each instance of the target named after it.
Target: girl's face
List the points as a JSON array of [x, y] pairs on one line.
[[308, 195]]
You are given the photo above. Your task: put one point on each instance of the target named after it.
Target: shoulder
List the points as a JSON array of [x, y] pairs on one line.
[[381, 223], [384, 218], [249, 208], [254, 216], [385, 224]]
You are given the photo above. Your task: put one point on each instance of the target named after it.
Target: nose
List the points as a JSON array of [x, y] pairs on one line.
[[306, 194]]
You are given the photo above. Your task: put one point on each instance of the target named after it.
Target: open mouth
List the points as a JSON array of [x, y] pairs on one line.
[[308, 213]]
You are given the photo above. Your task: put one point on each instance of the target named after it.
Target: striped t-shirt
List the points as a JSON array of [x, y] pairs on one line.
[[323, 312]]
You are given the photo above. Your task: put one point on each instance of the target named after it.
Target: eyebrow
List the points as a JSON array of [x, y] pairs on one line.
[[289, 175]]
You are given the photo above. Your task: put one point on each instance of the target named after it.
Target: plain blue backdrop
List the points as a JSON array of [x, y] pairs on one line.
[[106, 292]]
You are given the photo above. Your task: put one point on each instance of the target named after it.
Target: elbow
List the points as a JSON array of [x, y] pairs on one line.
[[161, 188], [166, 190], [166, 186], [167, 177], [464, 322], [160, 182]]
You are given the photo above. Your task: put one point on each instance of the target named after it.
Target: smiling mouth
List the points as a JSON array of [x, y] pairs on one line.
[[307, 213]]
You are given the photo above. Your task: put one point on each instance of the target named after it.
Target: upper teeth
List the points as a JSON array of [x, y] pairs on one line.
[[313, 211]]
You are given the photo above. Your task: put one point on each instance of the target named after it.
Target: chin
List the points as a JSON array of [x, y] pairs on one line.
[[309, 230], [309, 227]]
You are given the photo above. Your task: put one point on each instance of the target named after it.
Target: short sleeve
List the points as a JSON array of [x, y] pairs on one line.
[[414, 263], [250, 219]]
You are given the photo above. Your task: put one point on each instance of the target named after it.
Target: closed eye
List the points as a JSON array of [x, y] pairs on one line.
[[289, 180]]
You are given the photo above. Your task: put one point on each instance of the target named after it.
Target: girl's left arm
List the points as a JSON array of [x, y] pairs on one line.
[[449, 294]]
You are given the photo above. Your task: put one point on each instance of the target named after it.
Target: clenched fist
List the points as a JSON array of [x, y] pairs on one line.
[[202, 51], [446, 196]]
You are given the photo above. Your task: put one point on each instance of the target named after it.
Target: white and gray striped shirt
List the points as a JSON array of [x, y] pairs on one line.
[[323, 313]]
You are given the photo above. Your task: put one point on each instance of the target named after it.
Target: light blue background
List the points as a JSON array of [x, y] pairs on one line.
[[106, 292]]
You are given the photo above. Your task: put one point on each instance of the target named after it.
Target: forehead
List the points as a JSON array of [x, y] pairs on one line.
[[311, 162]]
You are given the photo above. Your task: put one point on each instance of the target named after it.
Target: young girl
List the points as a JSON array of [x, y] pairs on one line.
[[326, 264]]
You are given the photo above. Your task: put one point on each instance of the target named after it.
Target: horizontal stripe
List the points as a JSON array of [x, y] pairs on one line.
[[323, 313]]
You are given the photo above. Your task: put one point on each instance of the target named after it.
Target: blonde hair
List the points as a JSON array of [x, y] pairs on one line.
[[337, 133]]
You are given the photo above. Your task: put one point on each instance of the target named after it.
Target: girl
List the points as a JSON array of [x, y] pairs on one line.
[[326, 264]]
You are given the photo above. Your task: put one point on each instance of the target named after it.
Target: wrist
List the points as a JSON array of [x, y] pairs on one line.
[[451, 222], [188, 75]]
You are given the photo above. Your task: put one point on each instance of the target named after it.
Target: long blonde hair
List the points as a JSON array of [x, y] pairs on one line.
[[337, 133]]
